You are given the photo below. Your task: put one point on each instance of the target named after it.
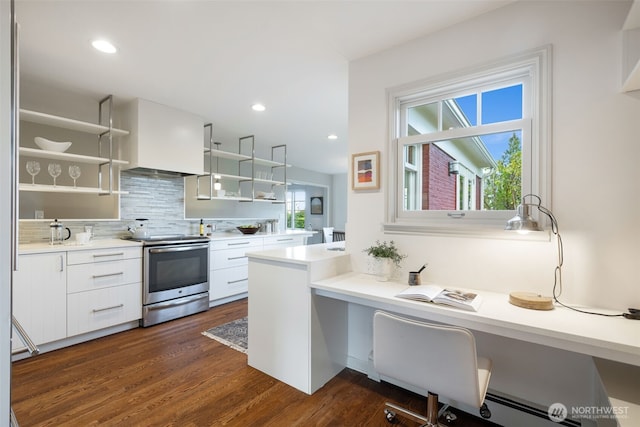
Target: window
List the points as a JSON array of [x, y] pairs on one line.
[[296, 209], [466, 148]]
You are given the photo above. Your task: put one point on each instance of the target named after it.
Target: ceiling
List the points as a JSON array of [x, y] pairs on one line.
[[217, 58]]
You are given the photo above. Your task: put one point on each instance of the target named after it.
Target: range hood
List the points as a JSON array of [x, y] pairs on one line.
[[162, 140]]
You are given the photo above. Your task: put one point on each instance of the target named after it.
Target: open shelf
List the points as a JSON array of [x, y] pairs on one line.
[[241, 157], [54, 155], [63, 122], [65, 189]]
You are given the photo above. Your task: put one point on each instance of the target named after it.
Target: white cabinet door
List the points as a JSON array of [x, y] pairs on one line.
[[97, 275], [40, 297], [228, 273], [93, 310], [227, 282], [274, 242]]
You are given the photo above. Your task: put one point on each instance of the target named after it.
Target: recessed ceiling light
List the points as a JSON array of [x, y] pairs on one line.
[[258, 107], [332, 136], [104, 46]]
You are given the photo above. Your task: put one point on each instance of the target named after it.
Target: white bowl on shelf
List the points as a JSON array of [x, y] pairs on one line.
[[48, 145]]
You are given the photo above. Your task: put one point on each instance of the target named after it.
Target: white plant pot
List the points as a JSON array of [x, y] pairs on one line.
[[382, 268]]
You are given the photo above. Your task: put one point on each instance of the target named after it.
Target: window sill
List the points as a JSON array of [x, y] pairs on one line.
[[486, 231]]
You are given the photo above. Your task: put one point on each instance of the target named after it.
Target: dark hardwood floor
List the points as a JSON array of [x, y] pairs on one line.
[[172, 375]]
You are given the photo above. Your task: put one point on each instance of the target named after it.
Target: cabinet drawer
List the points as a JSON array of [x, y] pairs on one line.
[[227, 282], [229, 258], [282, 241], [87, 277], [247, 242], [100, 255], [93, 310]]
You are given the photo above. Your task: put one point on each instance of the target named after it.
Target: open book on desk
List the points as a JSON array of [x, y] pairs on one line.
[[432, 293]]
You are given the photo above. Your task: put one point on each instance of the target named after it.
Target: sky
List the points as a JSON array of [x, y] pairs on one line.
[[497, 106]]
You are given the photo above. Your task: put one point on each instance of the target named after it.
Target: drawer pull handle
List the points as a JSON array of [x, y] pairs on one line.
[[97, 310], [98, 276], [285, 240], [237, 244], [236, 257], [112, 254], [237, 281]]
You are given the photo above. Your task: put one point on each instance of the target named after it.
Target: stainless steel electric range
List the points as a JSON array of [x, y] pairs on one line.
[[175, 277]]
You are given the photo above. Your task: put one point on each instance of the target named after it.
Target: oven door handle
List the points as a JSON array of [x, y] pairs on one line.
[[179, 301], [179, 248]]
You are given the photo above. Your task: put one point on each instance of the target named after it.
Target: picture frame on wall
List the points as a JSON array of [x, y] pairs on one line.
[[317, 206], [365, 171]]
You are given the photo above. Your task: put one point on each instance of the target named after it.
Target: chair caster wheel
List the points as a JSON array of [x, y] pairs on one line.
[[450, 416], [390, 415], [484, 411]]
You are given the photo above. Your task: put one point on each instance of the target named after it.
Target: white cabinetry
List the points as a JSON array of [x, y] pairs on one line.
[[40, 297], [229, 272], [104, 288], [286, 339], [283, 241], [163, 138], [228, 268]]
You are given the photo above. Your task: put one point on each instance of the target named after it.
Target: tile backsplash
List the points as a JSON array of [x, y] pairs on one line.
[[158, 198]]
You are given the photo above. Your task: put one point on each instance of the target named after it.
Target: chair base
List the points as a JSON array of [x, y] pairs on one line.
[[431, 420], [391, 410]]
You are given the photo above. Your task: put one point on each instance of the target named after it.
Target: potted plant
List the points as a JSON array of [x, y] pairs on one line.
[[386, 256]]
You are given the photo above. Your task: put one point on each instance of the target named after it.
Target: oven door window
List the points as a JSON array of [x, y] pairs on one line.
[[172, 269]]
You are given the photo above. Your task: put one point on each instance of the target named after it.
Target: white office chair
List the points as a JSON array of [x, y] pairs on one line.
[[439, 358], [327, 232]]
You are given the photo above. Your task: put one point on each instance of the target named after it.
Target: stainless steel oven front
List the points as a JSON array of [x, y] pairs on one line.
[[175, 280]]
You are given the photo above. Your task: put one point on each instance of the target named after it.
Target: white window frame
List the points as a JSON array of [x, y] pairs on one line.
[[534, 67]]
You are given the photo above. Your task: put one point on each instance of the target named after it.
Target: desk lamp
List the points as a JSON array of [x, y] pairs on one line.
[[523, 223]]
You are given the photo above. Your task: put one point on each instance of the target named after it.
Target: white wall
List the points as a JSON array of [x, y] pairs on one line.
[[339, 199], [5, 214], [595, 151]]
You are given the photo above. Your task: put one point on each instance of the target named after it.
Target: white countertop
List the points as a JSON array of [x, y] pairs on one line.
[[36, 248], [612, 338], [71, 245], [301, 254], [226, 235]]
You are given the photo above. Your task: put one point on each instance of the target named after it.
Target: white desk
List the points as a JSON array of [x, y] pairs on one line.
[[309, 318], [612, 338], [614, 342]]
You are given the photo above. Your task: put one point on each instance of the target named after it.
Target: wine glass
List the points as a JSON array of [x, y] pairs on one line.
[[33, 168], [54, 170], [74, 173]]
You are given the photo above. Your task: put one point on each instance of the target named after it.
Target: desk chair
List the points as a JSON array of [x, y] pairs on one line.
[[439, 358], [327, 233], [338, 236]]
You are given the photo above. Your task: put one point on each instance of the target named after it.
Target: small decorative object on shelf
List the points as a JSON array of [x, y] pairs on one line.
[[54, 170], [386, 257], [48, 145], [74, 173], [33, 168]]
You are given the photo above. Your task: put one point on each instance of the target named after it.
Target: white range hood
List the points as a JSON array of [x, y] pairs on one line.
[[162, 139]]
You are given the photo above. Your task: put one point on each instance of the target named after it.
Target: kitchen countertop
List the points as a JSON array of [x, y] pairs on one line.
[[36, 248], [225, 235], [44, 247], [303, 255]]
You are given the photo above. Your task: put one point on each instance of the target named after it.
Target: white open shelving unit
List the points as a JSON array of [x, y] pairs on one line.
[[102, 131], [242, 178]]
